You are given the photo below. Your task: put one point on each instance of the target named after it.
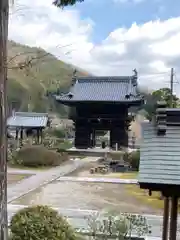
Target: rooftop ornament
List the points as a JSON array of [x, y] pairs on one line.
[[70, 95]]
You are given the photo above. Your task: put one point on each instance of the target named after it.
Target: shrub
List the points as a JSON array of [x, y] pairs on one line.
[[65, 145], [134, 159], [110, 225], [57, 132], [49, 143], [40, 222], [36, 156]]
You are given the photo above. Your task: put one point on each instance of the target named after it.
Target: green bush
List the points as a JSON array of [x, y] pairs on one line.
[[134, 159], [37, 156], [65, 145], [40, 223], [59, 133], [56, 132], [110, 225]]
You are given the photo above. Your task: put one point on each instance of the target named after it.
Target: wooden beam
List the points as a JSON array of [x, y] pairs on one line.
[[165, 219], [173, 219]]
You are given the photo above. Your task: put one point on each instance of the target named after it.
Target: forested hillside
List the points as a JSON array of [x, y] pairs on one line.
[[31, 72]]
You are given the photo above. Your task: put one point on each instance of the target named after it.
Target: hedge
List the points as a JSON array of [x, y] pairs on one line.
[[40, 222], [36, 156]]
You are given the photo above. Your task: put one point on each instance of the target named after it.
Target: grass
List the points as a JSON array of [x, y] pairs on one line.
[[126, 175], [13, 178], [40, 168], [142, 195], [129, 175]]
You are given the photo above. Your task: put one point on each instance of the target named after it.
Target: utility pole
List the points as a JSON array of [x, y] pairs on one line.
[[4, 14], [171, 87]]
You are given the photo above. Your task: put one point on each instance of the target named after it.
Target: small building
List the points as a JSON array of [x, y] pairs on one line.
[[101, 104], [28, 123], [160, 162]]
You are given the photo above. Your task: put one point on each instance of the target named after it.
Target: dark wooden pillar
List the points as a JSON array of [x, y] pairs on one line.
[[93, 138], [38, 135], [82, 134], [17, 133], [173, 219], [21, 136], [118, 134], [165, 219], [41, 135]]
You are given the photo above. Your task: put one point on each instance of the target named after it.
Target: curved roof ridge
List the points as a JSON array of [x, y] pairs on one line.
[[104, 79]]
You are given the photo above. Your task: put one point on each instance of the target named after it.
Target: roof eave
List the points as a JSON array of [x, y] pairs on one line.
[[23, 126], [71, 101]]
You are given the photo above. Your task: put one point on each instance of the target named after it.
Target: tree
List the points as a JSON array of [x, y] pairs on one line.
[[162, 94], [4, 14], [65, 3]]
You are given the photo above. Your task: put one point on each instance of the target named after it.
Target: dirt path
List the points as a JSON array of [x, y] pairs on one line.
[[14, 178], [83, 171], [86, 196], [112, 195]]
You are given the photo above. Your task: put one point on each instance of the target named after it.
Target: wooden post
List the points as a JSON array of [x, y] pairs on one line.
[[41, 135], [21, 137], [111, 140], [17, 133], [165, 219], [93, 138], [38, 135], [173, 219]]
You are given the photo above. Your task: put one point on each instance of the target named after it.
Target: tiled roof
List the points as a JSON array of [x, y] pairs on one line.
[[28, 119], [113, 89], [160, 155]]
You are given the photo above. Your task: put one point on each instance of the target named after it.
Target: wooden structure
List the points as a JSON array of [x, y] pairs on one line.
[[160, 163], [28, 123], [101, 103]]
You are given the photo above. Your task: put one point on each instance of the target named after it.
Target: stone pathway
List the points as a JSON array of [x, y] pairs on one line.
[[44, 177], [98, 180], [22, 171]]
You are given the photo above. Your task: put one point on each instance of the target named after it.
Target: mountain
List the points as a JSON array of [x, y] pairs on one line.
[[31, 73]]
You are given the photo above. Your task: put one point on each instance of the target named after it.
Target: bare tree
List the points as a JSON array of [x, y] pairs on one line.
[[4, 16]]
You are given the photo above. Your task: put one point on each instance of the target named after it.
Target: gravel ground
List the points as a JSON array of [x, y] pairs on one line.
[[86, 196]]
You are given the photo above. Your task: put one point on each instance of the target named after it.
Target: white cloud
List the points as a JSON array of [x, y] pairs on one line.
[[153, 47]]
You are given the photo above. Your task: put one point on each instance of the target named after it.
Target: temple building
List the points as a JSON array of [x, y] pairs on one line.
[[28, 123], [101, 104]]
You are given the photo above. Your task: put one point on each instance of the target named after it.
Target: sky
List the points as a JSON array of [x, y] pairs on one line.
[[106, 37]]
